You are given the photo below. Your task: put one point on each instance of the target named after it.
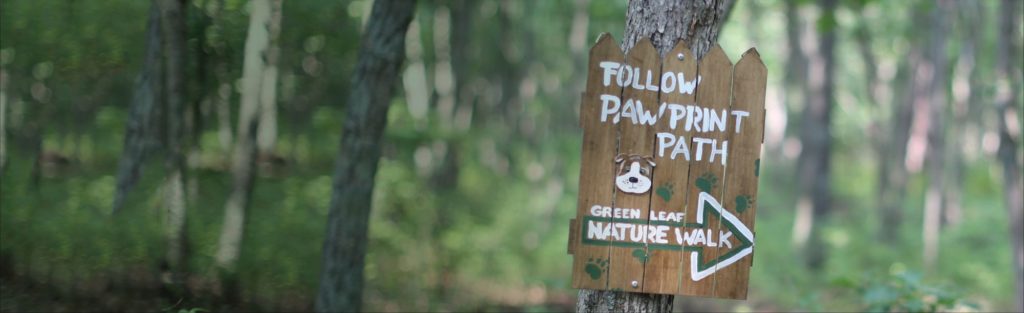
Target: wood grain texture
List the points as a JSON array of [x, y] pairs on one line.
[[715, 72], [749, 82], [723, 160], [664, 267], [596, 167], [625, 267]]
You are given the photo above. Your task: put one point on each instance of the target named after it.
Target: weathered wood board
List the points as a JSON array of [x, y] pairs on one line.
[[671, 177], [636, 147], [749, 82], [600, 144], [668, 176], [708, 149]]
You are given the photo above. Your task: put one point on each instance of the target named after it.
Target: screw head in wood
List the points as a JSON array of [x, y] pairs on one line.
[[636, 284], [680, 56]]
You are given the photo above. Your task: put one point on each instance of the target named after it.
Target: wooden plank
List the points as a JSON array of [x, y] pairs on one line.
[[636, 142], [749, 81], [597, 171], [706, 169], [664, 266]]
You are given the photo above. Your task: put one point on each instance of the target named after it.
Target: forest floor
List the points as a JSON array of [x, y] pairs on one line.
[[24, 297]]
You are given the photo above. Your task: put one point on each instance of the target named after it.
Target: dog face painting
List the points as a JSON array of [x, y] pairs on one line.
[[636, 179]]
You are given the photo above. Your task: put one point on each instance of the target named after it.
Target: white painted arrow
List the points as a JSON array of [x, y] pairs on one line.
[[727, 217]]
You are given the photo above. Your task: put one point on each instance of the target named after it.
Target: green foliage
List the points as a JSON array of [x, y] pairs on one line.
[[905, 292], [471, 200]]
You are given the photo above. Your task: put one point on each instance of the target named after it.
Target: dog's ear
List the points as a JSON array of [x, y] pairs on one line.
[[650, 160], [618, 158]]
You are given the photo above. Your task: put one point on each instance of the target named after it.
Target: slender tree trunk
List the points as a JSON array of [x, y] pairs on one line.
[[3, 115], [1008, 104], [795, 75], [221, 96], [936, 152], [803, 47], [174, 197], [666, 23], [451, 47], [967, 75], [266, 136], [892, 172], [195, 112], [814, 203], [380, 57], [258, 79], [882, 134], [140, 131]]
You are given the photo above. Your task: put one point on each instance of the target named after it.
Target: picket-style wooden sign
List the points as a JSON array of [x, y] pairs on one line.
[[668, 176]]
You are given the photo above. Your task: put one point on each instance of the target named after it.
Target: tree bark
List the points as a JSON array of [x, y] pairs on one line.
[[259, 77], [814, 203], [666, 23], [1008, 102], [380, 57], [142, 117], [171, 16]]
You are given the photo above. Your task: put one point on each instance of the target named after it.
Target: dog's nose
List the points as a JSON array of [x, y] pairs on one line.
[[633, 180]]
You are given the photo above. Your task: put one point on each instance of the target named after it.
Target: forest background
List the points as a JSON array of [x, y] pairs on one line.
[[900, 196]]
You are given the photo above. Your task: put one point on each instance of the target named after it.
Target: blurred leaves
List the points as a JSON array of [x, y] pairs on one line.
[[494, 238], [905, 292]]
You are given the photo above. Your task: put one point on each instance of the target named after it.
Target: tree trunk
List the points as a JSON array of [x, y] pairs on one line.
[[795, 75], [451, 47], [266, 136], [1008, 102], [967, 75], [666, 23], [258, 79], [223, 104], [892, 172], [934, 203], [142, 117], [3, 114], [174, 197], [380, 57], [814, 203], [221, 94]]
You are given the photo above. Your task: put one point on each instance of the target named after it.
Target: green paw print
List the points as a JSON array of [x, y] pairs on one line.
[[744, 202], [707, 182], [640, 254], [596, 267], [665, 191], [757, 168]]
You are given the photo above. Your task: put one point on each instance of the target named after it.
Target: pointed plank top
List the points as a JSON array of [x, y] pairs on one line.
[[680, 47], [644, 48], [716, 56], [605, 46], [751, 59]]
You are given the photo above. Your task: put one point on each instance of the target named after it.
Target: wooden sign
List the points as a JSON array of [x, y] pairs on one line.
[[668, 176]]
